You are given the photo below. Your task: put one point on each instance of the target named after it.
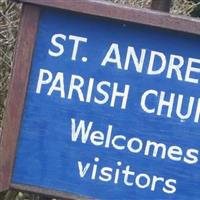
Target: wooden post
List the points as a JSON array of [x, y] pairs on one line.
[[161, 5]]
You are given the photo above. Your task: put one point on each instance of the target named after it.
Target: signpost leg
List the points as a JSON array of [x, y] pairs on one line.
[[161, 5], [24, 50]]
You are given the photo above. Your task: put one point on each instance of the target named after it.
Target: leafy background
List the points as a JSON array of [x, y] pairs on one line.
[[9, 21]]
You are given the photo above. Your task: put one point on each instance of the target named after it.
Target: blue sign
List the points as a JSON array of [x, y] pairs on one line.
[[112, 110]]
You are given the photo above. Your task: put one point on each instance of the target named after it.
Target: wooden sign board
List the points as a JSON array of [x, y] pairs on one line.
[[104, 103]]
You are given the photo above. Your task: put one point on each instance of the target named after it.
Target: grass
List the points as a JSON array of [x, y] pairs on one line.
[[9, 21]]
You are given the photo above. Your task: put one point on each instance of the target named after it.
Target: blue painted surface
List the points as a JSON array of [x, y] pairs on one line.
[[47, 157]]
